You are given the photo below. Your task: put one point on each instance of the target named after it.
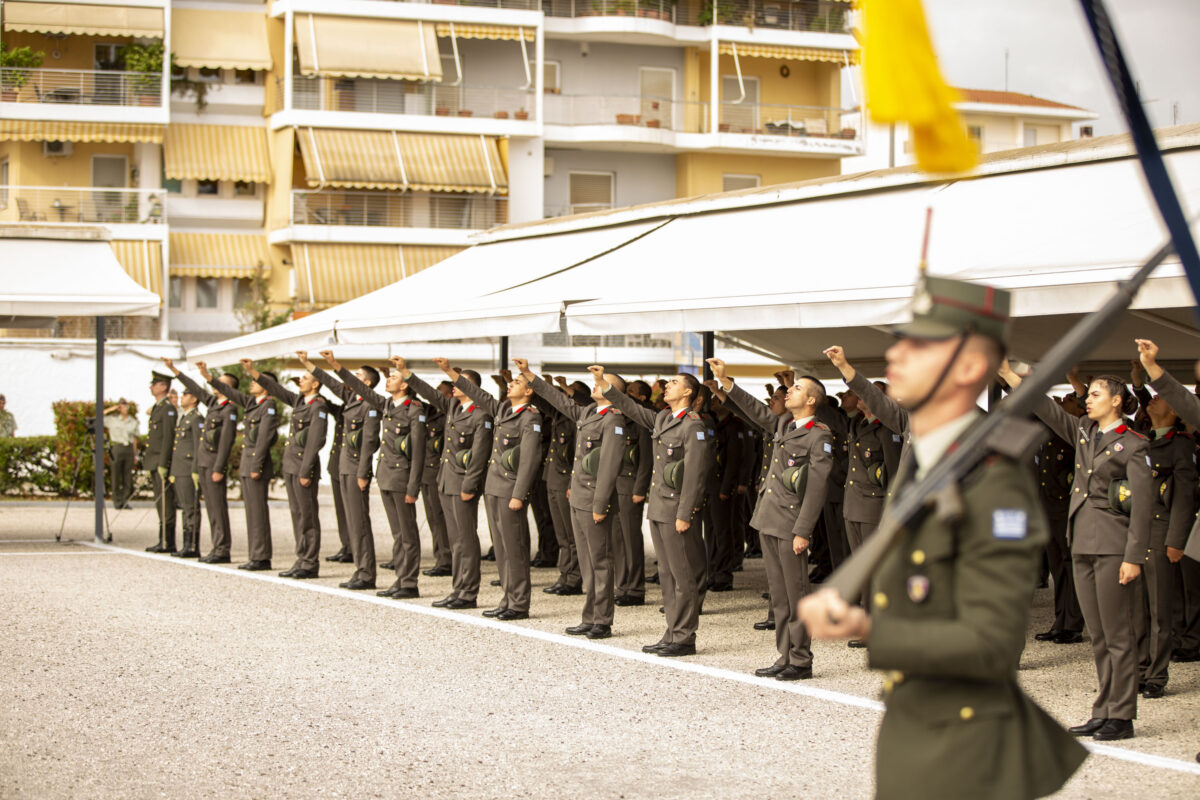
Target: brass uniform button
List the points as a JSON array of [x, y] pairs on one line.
[[918, 557], [966, 713], [880, 600]]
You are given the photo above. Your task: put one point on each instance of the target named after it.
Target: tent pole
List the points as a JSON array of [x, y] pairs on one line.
[[503, 355], [98, 433], [710, 351]]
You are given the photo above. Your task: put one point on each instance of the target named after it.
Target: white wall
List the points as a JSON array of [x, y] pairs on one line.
[[640, 177], [610, 69]]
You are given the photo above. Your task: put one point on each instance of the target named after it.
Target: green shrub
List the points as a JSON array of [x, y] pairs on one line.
[[73, 445], [27, 464]]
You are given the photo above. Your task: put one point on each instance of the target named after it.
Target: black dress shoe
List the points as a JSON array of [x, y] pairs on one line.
[[766, 595], [358, 584], [676, 649], [388, 592], [490, 555], [771, 671], [404, 593], [1068, 637], [287, 573], [388, 565], [765, 625], [1153, 692], [794, 673], [211, 559], [567, 591], [1185, 655], [720, 587], [1088, 728], [653, 648], [436, 572], [186, 554], [496, 583], [300, 574], [542, 563], [583, 629], [628, 600], [1047, 636], [508, 615], [493, 612], [444, 602], [336, 558], [156, 548], [552, 589], [458, 603], [857, 643], [600, 632], [1115, 729], [255, 566], [753, 554], [342, 585], [653, 578]]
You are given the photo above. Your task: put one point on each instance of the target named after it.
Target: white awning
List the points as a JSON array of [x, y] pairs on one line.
[[77, 276]]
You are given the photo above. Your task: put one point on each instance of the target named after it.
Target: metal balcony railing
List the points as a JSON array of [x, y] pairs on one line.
[[811, 16], [396, 210], [376, 96], [518, 5], [783, 120], [89, 204], [80, 87], [647, 9]]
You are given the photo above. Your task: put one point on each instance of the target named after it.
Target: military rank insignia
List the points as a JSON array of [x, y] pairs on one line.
[[918, 588]]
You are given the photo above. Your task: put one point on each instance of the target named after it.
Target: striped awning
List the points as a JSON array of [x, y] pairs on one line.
[[789, 53], [357, 159], [36, 130], [219, 39], [216, 153], [219, 255], [81, 19], [327, 274], [494, 32], [354, 47], [142, 261]]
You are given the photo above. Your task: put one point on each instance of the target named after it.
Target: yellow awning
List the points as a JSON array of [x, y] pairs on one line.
[[357, 159], [216, 153], [219, 255], [83, 20], [334, 273], [351, 47], [504, 32], [790, 53], [219, 39], [142, 261], [35, 130]]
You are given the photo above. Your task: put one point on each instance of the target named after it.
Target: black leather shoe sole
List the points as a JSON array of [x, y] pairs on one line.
[[405, 594], [255, 566], [358, 586], [388, 592], [857, 643], [1114, 730], [1069, 637], [568, 591], [493, 612], [443, 603], [766, 625], [216, 559], [1154, 692], [721, 587], [186, 554], [1046, 636], [653, 649]]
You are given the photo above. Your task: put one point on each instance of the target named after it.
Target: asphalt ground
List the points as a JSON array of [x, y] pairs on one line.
[[130, 675]]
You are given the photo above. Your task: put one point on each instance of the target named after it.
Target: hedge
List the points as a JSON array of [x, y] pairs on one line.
[[29, 464]]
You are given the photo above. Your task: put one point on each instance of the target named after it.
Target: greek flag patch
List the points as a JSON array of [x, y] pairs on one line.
[[617, 430], [895, 437], [1148, 464], [487, 425], [538, 428], [271, 412], [321, 414], [170, 413], [372, 413], [700, 435], [1009, 523], [421, 417], [828, 447]]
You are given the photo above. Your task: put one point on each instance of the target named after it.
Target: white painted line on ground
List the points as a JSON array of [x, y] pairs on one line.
[[841, 698], [51, 553]]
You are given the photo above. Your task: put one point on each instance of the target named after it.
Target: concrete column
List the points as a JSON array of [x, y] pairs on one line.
[[526, 179], [147, 157]]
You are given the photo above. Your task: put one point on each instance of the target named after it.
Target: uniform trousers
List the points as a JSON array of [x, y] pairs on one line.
[[697, 553], [856, 534], [122, 473], [436, 520], [510, 537], [358, 521], [677, 578], [1185, 628], [339, 510], [216, 503], [462, 527], [568, 556], [1152, 622], [629, 550], [306, 522], [164, 503], [406, 537], [835, 532], [1108, 609], [547, 539], [258, 518], [189, 507], [594, 543], [740, 533], [787, 578], [1067, 616], [720, 544]]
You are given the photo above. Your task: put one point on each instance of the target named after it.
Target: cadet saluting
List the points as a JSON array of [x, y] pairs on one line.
[[184, 477], [950, 601], [157, 461]]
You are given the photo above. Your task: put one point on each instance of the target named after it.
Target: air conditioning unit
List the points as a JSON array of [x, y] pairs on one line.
[[56, 149]]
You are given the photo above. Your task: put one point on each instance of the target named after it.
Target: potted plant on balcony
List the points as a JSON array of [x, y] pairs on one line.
[[147, 61], [183, 85], [726, 13], [13, 63]]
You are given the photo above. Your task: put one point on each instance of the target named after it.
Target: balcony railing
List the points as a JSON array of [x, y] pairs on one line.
[[519, 5], [80, 87], [61, 204], [395, 210], [646, 9], [408, 97], [823, 16]]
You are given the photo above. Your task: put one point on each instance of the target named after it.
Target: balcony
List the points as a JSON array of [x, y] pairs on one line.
[[89, 205], [86, 95], [423, 218]]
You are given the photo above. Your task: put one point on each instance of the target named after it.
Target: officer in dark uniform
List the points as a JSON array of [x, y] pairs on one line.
[[218, 431], [556, 474], [633, 485], [184, 476], [1055, 467], [435, 517], [301, 462], [343, 555], [950, 601], [725, 493], [160, 439]]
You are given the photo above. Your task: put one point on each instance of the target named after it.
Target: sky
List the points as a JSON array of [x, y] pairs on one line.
[[1052, 54]]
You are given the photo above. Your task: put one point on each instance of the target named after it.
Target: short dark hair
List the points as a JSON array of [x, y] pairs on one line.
[[445, 383], [691, 383], [372, 375], [270, 375], [640, 389], [818, 388], [472, 376], [228, 379], [705, 394]]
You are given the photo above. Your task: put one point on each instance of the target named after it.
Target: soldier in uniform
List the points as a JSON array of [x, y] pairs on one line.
[[557, 476], [301, 462], [122, 429], [790, 502], [599, 450], [260, 423], [1109, 549], [435, 517], [343, 555], [633, 484], [360, 440], [184, 476], [217, 433], [950, 601], [680, 446], [159, 441], [724, 494], [467, 443], [1055, 463]]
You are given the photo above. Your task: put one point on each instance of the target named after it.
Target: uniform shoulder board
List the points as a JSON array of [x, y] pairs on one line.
[[1135, 433], [693, 415], [821, 425]]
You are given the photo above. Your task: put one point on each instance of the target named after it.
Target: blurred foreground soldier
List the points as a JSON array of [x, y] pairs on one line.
[[184, 476], [217, 433], [681, 462], [122, 430], [301, 462], [790, 501], [950, 602], [160, 438], [256, 469]]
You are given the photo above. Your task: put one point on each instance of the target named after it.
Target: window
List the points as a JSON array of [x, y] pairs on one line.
[[208, 75], [208, 187], [244, 189], [733, 183], [1085, 132], [658, 96], [170, 185], [975, 132], [206, 292], [1030, 136], [107, 57], [3, 183], [591, 191], [551, 71], [245, 76], [175, 293]]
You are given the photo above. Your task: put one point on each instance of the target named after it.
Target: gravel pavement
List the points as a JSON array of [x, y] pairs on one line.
[[130, 675]]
